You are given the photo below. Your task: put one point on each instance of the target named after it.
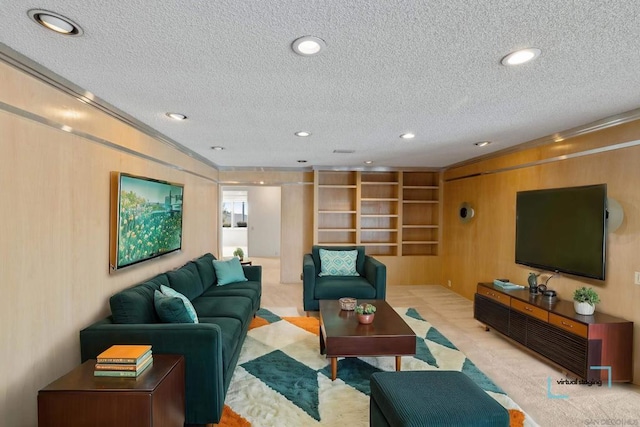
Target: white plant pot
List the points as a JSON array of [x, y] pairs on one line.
[[584, 308]]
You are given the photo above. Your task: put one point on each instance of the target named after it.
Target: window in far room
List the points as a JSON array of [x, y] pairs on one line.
[[235, 215], [234, 209]]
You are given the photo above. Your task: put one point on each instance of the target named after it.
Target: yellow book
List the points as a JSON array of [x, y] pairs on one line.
[[124, 366], [126, 374], [124, 354]]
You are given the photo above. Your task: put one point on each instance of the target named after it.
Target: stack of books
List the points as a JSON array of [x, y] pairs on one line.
[[123, 361]]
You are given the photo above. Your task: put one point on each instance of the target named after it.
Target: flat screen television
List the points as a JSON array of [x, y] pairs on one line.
[[563, 230], [146, 219]]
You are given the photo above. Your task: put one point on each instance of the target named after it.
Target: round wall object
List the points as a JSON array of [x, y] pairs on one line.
[[466, 212], [615, 215]]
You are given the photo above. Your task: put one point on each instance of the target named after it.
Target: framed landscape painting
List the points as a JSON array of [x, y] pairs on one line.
[[146, 219]]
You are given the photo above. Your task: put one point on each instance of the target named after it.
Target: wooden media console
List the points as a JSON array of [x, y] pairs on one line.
[[582, 345]]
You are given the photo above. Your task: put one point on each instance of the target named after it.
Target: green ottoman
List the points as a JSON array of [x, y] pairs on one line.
[[431, 398]]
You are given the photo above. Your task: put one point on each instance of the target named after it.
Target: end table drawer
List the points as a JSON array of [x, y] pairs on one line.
[[530, 310], [569, 325], [496, 296]]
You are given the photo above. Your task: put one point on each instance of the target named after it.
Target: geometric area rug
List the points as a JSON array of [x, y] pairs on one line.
[[282, 379]]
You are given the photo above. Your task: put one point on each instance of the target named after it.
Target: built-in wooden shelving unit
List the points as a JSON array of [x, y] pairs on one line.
[[420, 213], [392, 213]]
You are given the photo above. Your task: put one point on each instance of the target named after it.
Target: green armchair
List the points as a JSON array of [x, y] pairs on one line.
[[371, 282]]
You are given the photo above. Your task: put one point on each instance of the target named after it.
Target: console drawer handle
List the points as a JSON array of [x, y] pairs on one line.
[[566, 324], [528, 308]]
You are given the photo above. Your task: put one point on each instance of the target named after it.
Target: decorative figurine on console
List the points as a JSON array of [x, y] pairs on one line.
[[533, 283]]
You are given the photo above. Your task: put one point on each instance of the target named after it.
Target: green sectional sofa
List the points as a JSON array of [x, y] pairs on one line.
[[211, 347]]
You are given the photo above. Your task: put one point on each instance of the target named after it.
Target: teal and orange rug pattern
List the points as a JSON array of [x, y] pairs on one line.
[[283, 380]]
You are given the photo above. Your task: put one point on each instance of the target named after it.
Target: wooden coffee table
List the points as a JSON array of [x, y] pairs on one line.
[[342, 336]]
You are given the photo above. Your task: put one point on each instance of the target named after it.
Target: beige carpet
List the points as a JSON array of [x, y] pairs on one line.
[[520, 374]]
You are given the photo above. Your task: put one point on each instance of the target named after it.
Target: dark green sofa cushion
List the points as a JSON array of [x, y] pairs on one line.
[[206, 270], [231, 332], [170, 309], [135, 304], [336, 287], [186, 280], [235, 307], [249, 289]]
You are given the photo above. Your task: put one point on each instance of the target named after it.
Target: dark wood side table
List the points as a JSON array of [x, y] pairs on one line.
[[155, 398]]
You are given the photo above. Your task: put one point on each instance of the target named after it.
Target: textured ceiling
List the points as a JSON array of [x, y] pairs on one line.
[[390, 66]]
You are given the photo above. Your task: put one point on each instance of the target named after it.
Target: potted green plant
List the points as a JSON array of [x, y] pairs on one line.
[[585, 300], [365, 313], [239, 253]]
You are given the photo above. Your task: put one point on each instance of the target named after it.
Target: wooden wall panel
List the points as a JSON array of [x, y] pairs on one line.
[[412, 270], [483, 249], [54, 229], [296, 229]]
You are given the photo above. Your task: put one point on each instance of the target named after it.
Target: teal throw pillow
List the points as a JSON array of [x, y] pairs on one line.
[[187, 304], [229, 271], [170, 309], [338, 263]]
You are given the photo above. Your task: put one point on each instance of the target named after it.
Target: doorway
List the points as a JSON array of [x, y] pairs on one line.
[[251, 220]]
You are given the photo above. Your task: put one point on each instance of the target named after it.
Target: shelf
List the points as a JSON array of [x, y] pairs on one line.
[[420, 201], [328, 243], [392, 213], [338, 178], [378, 183], [379, 178], [384, 250], [419, 250], [420, 179]]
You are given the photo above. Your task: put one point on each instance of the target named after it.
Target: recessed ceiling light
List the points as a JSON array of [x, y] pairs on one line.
[[482, 143], [177, 116], [521, 56], [408, 135], [217, 148], [368, 162], [308, 45], [55, 22], [303, 133]]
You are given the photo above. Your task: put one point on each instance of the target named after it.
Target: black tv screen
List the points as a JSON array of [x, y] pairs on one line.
[[563, 230]]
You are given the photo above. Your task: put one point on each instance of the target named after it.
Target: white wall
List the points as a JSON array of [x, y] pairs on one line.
[[264, 221], [233, 238]]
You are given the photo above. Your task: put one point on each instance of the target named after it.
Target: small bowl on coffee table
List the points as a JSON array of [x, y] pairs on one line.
[[348, 303]]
